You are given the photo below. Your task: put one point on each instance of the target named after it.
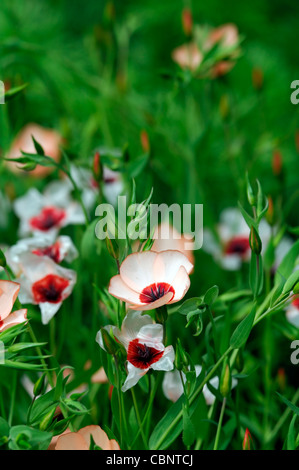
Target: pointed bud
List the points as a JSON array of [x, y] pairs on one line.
[[187, 21], [255, 241], [2, 259], [109, 343], [39, 385], [277, 163], [250, 196], [257, 78], [181, 359], [112, 247], [281, 378], [247, 442], [144, 139], [97, 170], [30, 166], [225, 380], [47, 419], [270, 212]]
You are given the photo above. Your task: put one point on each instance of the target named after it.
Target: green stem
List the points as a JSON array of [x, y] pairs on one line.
[[13, 397], [138, 418], [39, 352], [220, 424]]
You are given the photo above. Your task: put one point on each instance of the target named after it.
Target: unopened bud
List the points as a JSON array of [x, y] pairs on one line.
[[112, 247], [247, 442], [257, 78], [270, 212], [255, 241], [144, 139], [181, 359], [109, 343], [39, 385], [277, 163], [97, 170], [30, 166], [225, 380], [250, 195], [187, 21], [47, 419]]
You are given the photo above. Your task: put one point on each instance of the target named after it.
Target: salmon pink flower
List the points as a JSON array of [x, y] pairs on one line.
[[148, 280], [142, 340], [60, 249], [49, 140], [47, 213], [8, 294], [44, 283], [81, 440]]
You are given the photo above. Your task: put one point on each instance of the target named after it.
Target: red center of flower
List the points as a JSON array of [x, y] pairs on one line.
[[48, 218], [141, 355], [1, 322], [52, 252], [155, 291], [237, 245], [295, 303], [49, 289]]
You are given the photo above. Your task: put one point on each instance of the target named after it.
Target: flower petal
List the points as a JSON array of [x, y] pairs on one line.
[[8, 293], [134, 375], [15, 318], [166, 362]]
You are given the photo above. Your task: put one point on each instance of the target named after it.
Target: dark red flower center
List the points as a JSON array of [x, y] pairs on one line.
[[52, 251], [49, 289], [1, 322], [237, 246], [141, 355], [295, 303], [48, 218], [155, 291]]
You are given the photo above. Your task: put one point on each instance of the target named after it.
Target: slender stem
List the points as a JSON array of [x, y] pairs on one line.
[[220, 424], [13, 397], [138, 418], [39, 352]]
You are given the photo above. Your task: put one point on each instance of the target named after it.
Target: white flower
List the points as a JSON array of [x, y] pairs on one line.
[[41, 245], [173, 388], [148, 280], [44, 283], [48, 212], [142, 340]]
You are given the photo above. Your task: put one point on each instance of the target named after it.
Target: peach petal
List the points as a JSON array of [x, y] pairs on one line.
[[71, 441], [8, 293], [15, 318]]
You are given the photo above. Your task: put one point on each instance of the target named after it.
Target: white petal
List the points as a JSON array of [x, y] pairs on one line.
[[133, 323], [48, 310], [137, 270], [134, 375], [151, 335], [181, 284], [172, 385], [119, 289], [166, 361]]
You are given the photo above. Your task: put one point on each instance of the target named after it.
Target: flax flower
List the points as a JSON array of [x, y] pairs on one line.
[[47, 213], [148, 280], [60, 249], [44, 283], [8, 294], [81, 440], [143, 341]]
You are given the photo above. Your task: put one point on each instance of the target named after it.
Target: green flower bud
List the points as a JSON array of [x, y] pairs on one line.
[[47, 419], [109, 343], [225, 380], [255, 241], [181, 359], [250, 196], [39, 385]]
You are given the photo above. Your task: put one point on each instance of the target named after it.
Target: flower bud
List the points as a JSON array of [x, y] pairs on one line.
[[39, 385], [181, 359], [187, 21], [144, 141], [47, 419], [30, 166], [109, 343], [257, 78], [250, 196], [255, 241], [112, 247], [277, 163], [225, 380], [97, 170], [270, 212], [247, 442], [2, 259]]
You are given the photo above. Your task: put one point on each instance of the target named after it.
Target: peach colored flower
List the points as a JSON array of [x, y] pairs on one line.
[[168, 238], [49, 140], [8, 293], [227, 34], [148, 280], [99, 377], [81, 440], [188, 56]]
